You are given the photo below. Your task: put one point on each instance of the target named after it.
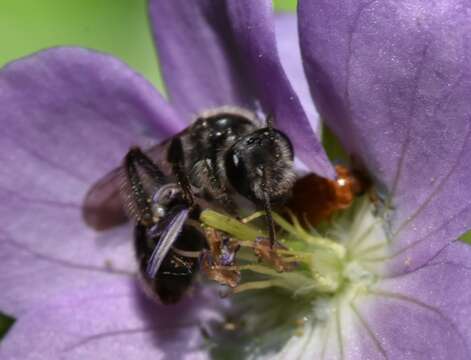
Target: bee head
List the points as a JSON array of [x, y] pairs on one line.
[[260, 164]]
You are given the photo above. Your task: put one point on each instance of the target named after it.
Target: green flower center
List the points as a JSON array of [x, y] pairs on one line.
[[311, 278]]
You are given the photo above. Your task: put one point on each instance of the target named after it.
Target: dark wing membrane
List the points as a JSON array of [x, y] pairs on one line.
[[167, 239], [103, 206]]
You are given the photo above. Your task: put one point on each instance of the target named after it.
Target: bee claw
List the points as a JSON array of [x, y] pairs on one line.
[[215, 269], [267, 251]]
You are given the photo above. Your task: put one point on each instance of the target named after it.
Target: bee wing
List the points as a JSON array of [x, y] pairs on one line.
[[141, 179], [167, 238], [103, 207]]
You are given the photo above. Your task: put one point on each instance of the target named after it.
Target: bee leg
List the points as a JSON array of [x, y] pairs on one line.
[[133, 188], [218, 190], [267, 208], [218, 263], [176, 158], [269, 254]]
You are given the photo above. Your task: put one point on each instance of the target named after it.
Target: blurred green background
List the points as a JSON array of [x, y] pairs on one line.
[[118, 27]]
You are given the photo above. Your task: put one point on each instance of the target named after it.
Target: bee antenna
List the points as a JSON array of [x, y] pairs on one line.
[[269, 122]]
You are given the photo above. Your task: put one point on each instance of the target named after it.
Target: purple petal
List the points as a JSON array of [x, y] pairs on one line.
[[393, 80], [421, 315], [253, 24], [287, 42], [112, 321], [225, 53], [198, 56], [102, 206], [68, 115]]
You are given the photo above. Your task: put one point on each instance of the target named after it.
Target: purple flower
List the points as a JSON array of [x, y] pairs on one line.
[[392, 79]]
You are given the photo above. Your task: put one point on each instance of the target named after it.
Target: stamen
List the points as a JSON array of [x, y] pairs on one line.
[[302, 234], [230, 225], [297, 248], [319, 271], [257, 285]]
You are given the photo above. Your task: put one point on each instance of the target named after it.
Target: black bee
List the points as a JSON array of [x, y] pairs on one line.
[[167, 241], [225, 156]]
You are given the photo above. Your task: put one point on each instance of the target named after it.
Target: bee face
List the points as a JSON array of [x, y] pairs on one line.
[[261, 162]]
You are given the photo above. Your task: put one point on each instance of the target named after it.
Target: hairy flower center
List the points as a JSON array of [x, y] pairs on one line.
[[318, 272]]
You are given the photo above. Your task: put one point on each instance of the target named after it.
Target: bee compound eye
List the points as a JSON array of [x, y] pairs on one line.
[[238, 173]]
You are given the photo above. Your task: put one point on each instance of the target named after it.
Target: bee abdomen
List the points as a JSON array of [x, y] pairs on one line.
[[177, 271]]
